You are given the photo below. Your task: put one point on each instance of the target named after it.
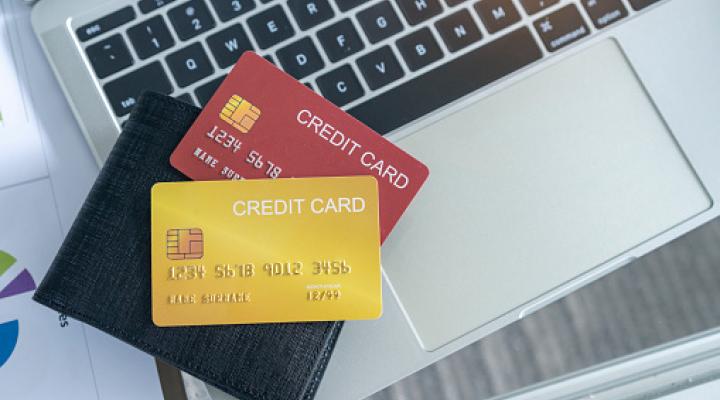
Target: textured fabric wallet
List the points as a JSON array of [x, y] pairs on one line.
[[101, 276]]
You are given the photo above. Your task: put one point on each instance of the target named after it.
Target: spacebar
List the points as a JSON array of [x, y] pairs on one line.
[[448, 82]]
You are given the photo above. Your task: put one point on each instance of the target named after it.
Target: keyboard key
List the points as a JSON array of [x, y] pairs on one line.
[[147, 6], [123, 92], [345, 5], [379, 21], [535, 6], [270, 27], [309, 13], [150, 37], [604, 12], [340, 86], [229, 9], [417, 11], [105, 24], [640, 4], [451, 3], [448, 82], [191, 19], [109, 56], [419, 49], [380, 67], [561, 28], [497, 14], [229, 44], [186, 98], [205, 92], [189, 65], [458, 30], [300, 59], [340, 40]]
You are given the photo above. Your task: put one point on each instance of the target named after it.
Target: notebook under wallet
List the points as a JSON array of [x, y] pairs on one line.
[[101, 276]]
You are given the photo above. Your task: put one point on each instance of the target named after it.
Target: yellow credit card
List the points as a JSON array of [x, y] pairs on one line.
[[255, 251]]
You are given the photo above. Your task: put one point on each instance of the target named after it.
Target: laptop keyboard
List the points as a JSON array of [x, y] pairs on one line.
[[387, 62]]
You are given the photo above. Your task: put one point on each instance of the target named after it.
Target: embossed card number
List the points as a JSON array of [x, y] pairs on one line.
[[247, 270]]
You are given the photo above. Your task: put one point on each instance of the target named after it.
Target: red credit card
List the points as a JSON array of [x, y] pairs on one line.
[[262, 123]]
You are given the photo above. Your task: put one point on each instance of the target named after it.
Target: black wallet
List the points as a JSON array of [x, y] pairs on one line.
[[101, 276]]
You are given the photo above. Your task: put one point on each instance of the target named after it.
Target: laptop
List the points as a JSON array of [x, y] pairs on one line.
[[564, 137]]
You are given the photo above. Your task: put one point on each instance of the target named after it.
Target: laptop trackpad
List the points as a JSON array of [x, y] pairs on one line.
[[531, 187]]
